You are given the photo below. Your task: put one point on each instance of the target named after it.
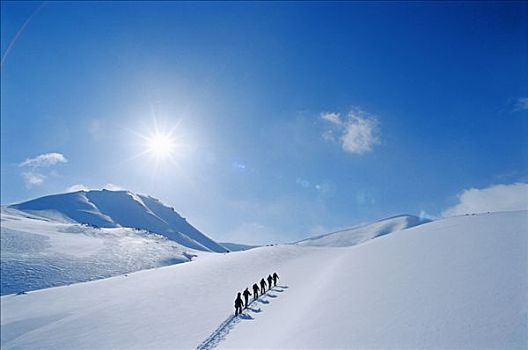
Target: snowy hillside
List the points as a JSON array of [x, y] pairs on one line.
[[121, 209], [362, 233], [38, 252], [453, 283]]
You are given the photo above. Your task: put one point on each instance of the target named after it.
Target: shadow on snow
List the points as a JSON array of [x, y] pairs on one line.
[[229, 323]]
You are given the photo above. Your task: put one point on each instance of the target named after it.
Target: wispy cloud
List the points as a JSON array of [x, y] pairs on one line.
[[332, 117], [365, 198], [491, 199], [323, 188], [32, 179], [44, 160], [357, 133], [521, 104], [34, 175], [302, 182]]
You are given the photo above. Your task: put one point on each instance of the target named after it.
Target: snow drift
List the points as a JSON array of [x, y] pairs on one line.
[[458, 283], [110, 209], [363, 233]]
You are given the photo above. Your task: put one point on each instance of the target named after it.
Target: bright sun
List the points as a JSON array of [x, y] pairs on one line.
[[160, 145]]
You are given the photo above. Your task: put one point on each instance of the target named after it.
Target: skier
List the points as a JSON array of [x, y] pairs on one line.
[[275, 278], [255, 291], [270, 279], [246, 296], [238, 305], [262, 286]]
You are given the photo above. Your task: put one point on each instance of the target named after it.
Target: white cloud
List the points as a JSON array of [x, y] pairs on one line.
[[491, 199], [521, 104], [32, 179], [44, 160], [357, 134], [361, 134], [35, 177], [331, 117]]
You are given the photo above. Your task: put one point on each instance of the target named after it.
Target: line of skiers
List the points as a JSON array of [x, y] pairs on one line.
[[272, 282]]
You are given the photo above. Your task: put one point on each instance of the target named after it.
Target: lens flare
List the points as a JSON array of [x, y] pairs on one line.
[[160, 145]]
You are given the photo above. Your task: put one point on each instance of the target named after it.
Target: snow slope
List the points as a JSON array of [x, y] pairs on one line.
[[122, 209], [363, 233], [453, 283], [38, 252]]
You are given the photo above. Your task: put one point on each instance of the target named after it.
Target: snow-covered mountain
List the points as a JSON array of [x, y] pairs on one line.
[[364, 232], [110, 209], [39, 252], [455, 283], [236, 247]]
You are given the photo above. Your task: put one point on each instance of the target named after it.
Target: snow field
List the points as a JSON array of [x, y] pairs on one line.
[[39, 253], [454, 283]]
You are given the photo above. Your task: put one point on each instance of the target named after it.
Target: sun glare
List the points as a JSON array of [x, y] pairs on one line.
[[160, 145]]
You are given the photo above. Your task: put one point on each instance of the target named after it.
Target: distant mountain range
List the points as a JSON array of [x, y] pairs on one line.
[[80, 236], [109, 209]]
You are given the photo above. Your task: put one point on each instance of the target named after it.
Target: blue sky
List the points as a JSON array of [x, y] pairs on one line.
[[288, 118]]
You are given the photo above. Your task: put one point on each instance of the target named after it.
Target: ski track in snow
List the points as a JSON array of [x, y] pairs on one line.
[[225, 327]]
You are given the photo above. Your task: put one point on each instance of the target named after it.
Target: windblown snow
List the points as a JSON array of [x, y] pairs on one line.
[[459, 282], [121, 209]]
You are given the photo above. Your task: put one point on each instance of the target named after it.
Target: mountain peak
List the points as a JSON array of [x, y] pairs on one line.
[[115, 208]]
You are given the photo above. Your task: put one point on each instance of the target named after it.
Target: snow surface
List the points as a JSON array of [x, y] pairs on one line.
[[459, 282], [121, 209], [39, 252], [363, 233]]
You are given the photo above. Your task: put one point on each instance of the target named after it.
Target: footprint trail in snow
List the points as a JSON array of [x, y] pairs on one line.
[[220, 333]]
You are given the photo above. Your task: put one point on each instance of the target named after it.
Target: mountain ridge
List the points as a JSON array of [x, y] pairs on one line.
[[364, 232]]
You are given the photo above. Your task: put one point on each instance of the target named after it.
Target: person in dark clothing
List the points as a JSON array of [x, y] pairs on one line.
[[255, 291], [238, 305], [262, 286], [270, 279], [275, 278], [246, 295]]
